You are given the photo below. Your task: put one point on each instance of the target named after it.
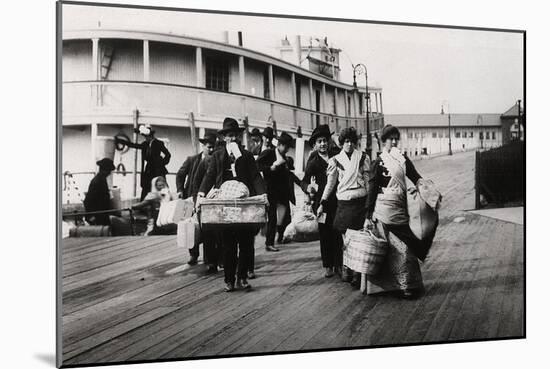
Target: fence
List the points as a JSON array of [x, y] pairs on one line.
[[500, 174]]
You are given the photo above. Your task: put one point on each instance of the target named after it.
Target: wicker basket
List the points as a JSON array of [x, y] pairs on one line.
[[364, 252], [250, 211]]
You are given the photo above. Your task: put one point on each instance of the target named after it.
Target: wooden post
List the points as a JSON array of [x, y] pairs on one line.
[[146, 60], [477, 177], [193, 133], [135, 116]]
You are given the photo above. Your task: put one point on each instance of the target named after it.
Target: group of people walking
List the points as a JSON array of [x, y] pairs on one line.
[[347, 190]]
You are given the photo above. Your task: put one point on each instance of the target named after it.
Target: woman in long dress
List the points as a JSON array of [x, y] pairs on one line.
[[347, 175], [387, 214]]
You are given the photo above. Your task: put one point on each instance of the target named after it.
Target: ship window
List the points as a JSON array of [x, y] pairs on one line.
[[217, 74], [487, 135], [434, 134], [471, 134], [464, 134], [266, 83], [457, 134], [298, 92], [481, 135]]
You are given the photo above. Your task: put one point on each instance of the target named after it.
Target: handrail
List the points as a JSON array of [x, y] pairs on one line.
[[76, 215], [239, 94]]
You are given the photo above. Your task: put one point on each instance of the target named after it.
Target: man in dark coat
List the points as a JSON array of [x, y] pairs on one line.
[[151, 150], [269, 135], [98, 197], [277, 169], [256, 142], [314, 182], [188, 181], [233, 162]]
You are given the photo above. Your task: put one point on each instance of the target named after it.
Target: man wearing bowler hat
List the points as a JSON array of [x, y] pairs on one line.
[[277, 169], [234, 162], [98, 197], [269, 135], [151, 150], [256, 142], [188, 181]]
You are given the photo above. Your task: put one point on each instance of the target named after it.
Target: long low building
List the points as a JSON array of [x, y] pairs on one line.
[[431, 134], [113, 80]]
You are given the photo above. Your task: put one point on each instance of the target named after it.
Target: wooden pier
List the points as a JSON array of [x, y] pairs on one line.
[[122, 300]]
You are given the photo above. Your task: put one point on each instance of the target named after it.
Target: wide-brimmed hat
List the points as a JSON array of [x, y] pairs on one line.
[[322, 130], [286, 139], [230, 125], [268, 133], [256, 132], [210, 138], [145, 129], [106, 164]]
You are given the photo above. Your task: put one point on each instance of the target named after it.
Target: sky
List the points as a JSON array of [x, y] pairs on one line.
[[419, 68]]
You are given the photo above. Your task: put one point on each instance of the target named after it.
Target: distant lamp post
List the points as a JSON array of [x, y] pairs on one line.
[[359, 69], [449, 116]]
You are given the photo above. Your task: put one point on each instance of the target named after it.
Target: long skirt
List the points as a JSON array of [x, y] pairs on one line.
[[350, 214], [400, 269]]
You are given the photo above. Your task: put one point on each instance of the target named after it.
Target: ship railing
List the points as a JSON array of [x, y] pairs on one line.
[[117, 99]]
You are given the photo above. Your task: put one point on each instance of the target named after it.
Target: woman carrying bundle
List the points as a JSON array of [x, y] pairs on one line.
[[348, 173], [387, 214]]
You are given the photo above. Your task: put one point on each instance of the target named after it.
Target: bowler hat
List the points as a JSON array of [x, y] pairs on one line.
[[230, 125], [286, 139], [210, 138], [106, 164], [322, 130], [256, 132], [268, 133]]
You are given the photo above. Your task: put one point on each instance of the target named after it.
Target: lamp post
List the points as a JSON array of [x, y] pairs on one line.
[[449, 116], [358, 69]]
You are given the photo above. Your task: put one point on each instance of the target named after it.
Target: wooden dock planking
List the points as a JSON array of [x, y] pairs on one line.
[[473, 279]]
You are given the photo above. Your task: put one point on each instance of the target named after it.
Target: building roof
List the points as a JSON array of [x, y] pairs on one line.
[[442, 120], [512, 112]]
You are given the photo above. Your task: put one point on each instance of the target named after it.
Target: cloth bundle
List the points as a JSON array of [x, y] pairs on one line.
[[423, 204], [303, 227], [171, 212], [233, 190]]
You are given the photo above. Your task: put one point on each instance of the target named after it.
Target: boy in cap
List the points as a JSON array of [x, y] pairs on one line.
[[277, 169], [188, 181]]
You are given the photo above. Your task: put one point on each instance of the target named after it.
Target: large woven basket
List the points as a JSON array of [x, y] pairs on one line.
[[364, 252]]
